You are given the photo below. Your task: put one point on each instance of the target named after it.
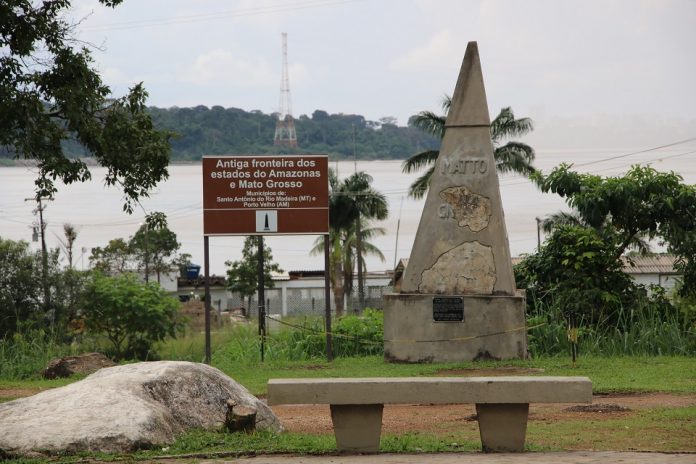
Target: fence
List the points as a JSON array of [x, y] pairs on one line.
[[283, 302]]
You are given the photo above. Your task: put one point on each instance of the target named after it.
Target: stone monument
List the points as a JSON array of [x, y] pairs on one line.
[[458, 299]]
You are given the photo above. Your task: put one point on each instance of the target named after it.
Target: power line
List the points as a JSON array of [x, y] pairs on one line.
[[525, 180], [272, 9], [637, 152]]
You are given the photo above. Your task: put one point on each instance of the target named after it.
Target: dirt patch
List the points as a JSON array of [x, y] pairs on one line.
[[9, 394], [438, 418], [601, 408], [399, 419]]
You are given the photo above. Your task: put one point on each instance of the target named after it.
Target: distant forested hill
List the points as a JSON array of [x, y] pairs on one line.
[[231, 131], [220, 131]]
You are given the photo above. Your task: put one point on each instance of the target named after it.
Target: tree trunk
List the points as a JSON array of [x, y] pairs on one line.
[[361, 283], [338, 288], [240, 418]]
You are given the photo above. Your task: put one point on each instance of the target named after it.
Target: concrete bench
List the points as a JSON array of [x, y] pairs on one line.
[[502, 403]]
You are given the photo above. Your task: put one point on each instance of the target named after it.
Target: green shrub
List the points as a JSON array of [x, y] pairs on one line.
[[359, 335]]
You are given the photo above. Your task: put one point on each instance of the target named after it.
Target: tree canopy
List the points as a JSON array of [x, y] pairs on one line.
[[642, 203], [580, 268], [132, 315], [242, 275], [152, 249], [51, 93], [216, 130]]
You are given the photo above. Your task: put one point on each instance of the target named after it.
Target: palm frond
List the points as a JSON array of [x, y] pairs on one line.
[[562, 218], [446, 104], [420, 186], [419, 161], [641, 245], [430, 123], [515, 157], [505, 125]]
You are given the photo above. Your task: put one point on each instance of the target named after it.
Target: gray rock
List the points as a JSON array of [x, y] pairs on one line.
[[124, 408]]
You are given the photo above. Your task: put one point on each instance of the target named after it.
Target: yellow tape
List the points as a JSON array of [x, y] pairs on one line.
[[370, 342], [573, 335], [473, 337]]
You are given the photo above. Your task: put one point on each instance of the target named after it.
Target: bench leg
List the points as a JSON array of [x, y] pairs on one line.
[[502, 427], [357, 427]]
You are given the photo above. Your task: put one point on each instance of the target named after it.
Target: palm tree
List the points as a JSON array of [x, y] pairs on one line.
[[637, 243], [352, 201], [511, 157], [344, 256]]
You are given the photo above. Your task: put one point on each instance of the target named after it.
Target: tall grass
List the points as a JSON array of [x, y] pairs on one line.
[[302, 339], [647, 330], [26, 355]]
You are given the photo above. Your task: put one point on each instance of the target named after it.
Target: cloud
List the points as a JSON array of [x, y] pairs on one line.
[[115, 76], [438, 52], [298, 74], [225, 67]]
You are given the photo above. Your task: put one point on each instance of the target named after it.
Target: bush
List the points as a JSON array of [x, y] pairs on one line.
[[130, 314]]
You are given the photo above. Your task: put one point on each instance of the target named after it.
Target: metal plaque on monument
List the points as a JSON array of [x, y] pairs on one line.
[[458, 300]]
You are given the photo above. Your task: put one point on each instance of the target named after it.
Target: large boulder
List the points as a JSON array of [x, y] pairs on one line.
[[124, 408]]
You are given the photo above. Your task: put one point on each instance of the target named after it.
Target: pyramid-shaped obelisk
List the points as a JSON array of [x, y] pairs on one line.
[[461, 246], [459, 283]]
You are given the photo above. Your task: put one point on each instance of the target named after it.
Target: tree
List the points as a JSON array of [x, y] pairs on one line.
[[114, 259], [22, 292], [343, 249], [243, 275], [511, 157], [50, 93], [644, 203], [131, 315], [72, 278], [68, 244], [580, 264], [576, 271], [20, 287], [562, 218], [154, 250], [351, 202]]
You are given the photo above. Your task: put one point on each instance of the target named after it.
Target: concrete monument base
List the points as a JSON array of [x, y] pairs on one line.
[[493, 327]]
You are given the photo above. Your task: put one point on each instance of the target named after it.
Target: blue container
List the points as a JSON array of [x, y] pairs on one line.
[[192, 271]]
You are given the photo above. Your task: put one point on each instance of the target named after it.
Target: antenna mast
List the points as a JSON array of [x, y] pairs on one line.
[[285, 134]]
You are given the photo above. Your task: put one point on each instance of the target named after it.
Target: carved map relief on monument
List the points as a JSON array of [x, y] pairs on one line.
[[467, 268], [468, 208]]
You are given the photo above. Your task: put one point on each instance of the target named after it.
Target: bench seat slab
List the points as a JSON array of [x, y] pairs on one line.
[[435, 390]]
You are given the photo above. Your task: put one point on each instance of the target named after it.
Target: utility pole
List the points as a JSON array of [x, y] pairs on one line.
[[261, 297], [44, 259]]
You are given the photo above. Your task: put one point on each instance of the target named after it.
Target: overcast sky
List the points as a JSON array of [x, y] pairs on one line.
[[592, 74]]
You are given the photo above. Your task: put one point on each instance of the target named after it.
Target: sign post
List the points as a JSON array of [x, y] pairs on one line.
[[264, 195]]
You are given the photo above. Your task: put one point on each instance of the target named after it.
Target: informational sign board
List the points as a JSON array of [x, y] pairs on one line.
[[265, 195]]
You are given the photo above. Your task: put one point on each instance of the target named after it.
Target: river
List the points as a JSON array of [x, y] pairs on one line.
[[96, 211]]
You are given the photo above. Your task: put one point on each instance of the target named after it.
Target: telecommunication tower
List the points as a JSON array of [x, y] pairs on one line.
[[285, 134]]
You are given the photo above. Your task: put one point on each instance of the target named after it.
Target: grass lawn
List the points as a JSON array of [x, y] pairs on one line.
[[615, 374], [656, 429]]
